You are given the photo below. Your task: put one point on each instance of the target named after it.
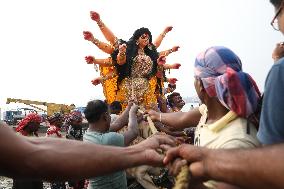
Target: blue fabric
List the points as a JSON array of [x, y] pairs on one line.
[[115, 180], [271, 130]]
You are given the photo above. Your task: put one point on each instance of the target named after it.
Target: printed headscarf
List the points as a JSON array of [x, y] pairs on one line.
[[220, 71], [55, 117], [32, 117], [74, 116]]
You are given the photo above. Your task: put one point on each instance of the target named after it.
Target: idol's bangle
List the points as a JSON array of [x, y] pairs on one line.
[[100, 24], [163, 34], [96, 42]]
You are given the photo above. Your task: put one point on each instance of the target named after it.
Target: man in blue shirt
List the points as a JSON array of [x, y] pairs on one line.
[[98, 115], [271, 130]]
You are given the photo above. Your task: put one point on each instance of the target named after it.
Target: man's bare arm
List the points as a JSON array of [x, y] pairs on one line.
[[57, 159], [132, 129], [121, 121], [260, 168], [178, 120]]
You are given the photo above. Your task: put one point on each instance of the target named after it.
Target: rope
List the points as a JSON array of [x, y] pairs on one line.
[[182, 179]]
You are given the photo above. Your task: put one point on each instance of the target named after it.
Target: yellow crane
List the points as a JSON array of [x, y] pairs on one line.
[[51, 108]]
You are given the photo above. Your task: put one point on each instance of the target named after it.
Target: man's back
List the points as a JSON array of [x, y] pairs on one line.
[[115, 180]]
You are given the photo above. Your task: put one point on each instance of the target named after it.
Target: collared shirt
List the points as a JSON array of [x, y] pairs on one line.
[[228, 132]]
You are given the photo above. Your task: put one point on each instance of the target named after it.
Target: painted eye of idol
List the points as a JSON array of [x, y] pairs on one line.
[[145, 36]]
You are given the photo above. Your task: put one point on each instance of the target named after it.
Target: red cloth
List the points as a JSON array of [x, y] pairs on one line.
[[32, 117], [53, 130]]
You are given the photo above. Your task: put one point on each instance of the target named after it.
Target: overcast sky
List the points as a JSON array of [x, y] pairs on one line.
[[43, 50]]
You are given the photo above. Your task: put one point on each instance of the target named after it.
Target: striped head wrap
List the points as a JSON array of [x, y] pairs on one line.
[[220, 71]]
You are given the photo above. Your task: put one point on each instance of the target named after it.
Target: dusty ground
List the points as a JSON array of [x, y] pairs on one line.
[[7, 183]]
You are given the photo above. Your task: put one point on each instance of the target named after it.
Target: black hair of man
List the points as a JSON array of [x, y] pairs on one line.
[[276, 3], [170, 98], [115, 107], [94, 110]]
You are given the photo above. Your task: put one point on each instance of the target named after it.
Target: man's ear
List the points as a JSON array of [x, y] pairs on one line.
[[200, 86]]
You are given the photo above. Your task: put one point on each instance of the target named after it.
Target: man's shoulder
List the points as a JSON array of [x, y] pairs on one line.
[[113, 139], [107, 134], [279, 64], [113, 134], [109, 138], [276, 74]]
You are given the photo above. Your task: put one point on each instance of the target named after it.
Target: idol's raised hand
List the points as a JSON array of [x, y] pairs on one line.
[[175, 48], [122, 48], [161, 60], [88, 36], [172, 80], [89, 59], [97, 80], [168, 29], [175, 66], [95, 16]]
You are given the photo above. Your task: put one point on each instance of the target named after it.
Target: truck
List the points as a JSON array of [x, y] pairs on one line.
[[50, 109], [12, 117]]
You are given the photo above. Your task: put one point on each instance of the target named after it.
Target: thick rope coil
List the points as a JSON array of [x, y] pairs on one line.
[[182, 179]]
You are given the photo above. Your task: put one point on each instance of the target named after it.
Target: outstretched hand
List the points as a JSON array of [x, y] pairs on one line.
[[172, 80], [88, 36], [168, 29], [159, 74], [122, 48], [161, 60], [96, 81], [175, 48], [95, 16], [151, 145], [175, 66], [89, 59]]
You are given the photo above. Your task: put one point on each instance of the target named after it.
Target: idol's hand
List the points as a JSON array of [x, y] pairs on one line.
[[175, 66], [89, 59], [161, 60], [175, 48], [88, 36], [122, 48], [97, 80], [95, 16], [168, 29], [172, 80]]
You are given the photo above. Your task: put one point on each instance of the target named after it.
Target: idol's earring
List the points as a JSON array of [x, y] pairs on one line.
[[150, 47], [137, 42]]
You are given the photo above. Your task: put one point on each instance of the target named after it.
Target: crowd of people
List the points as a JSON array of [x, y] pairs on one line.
[[234, 139]]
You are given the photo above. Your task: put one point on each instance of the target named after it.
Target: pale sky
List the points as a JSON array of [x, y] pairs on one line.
[[43, 50]]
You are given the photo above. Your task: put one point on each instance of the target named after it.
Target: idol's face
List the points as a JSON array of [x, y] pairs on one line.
[[143, 40]]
